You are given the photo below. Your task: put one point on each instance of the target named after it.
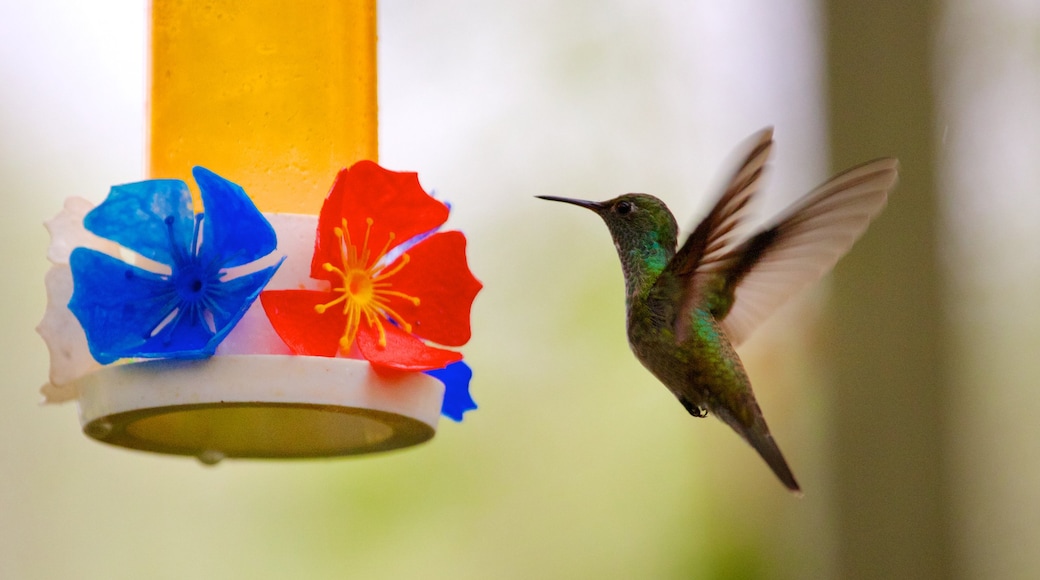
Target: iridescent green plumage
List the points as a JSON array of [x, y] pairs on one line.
[[689, 307]]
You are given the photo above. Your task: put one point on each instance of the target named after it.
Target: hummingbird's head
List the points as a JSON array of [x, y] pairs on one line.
[[644, 233], [636, 220]]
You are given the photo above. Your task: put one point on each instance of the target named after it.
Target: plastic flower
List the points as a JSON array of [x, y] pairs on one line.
[[395, 285], [187, 301]]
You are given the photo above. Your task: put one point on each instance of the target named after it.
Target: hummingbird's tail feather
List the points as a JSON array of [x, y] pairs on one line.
[[757, 434]]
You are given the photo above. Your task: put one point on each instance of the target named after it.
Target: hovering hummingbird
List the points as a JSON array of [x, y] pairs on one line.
[[688, 309]]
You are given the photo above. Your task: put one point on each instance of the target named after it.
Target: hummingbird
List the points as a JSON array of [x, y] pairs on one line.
[[688, 308]]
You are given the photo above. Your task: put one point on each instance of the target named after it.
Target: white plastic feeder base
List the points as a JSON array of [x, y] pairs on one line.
[[258, 406]]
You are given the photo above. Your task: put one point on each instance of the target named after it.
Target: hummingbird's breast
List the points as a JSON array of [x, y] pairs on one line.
[[702, 370]]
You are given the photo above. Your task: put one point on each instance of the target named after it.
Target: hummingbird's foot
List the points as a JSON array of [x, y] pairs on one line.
[[693, 409]]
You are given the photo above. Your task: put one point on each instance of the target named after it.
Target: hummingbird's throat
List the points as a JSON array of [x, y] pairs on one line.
[[364, 287]]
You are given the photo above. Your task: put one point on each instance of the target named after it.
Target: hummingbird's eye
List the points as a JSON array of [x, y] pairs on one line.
[[623, 207]]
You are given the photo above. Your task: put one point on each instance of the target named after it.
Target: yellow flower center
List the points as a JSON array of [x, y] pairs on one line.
[[364, 289]]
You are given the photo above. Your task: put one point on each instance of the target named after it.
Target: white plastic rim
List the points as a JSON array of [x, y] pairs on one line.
[[258, 406]]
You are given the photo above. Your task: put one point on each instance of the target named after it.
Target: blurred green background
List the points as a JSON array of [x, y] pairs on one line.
[[902, 389]]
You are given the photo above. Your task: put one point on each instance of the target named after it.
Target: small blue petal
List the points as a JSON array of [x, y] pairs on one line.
[[142, 216], [457, 399], [116, 304], [184, 338], [234, 229], [234, 298]]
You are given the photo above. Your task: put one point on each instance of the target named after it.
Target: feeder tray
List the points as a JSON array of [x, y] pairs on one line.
[[245, 407]]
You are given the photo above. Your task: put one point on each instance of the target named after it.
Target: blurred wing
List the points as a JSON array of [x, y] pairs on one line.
[[803, 244], [717, 235]]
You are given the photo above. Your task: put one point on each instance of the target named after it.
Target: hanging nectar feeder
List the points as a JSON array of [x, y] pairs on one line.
[[273, 292]]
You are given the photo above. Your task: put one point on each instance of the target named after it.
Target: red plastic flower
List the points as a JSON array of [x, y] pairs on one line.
[[392, 288]]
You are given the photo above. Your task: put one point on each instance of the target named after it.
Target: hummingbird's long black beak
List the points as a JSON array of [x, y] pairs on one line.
[[593, 205]]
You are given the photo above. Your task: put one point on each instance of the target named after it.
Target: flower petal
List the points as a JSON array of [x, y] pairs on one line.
[[234, 231], [394, 201], [233, 298], [438, 274], [402, 351], [134, 215], [457, 400], [67, 232], [66, 342], [116, 304], [304, 331]]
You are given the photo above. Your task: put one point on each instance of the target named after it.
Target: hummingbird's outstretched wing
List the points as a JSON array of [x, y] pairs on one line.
[[743, 281], [706, 252], [801, 245]]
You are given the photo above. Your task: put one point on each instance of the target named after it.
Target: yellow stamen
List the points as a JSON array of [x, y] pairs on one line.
[[405, 258], [364, 254], [408, 297], [365, 290], [392, 314], [386, 246]]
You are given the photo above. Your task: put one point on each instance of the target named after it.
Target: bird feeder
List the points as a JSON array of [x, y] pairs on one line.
[[271, 291]]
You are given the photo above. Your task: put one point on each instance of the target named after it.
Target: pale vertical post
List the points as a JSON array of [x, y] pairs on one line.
[[889, 332], [275, 96]]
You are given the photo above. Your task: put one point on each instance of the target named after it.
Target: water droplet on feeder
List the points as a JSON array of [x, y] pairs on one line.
[[99, 429], [211, 457]]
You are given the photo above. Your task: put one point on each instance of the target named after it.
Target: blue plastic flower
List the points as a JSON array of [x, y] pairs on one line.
[[457, 399], [130, 312]]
